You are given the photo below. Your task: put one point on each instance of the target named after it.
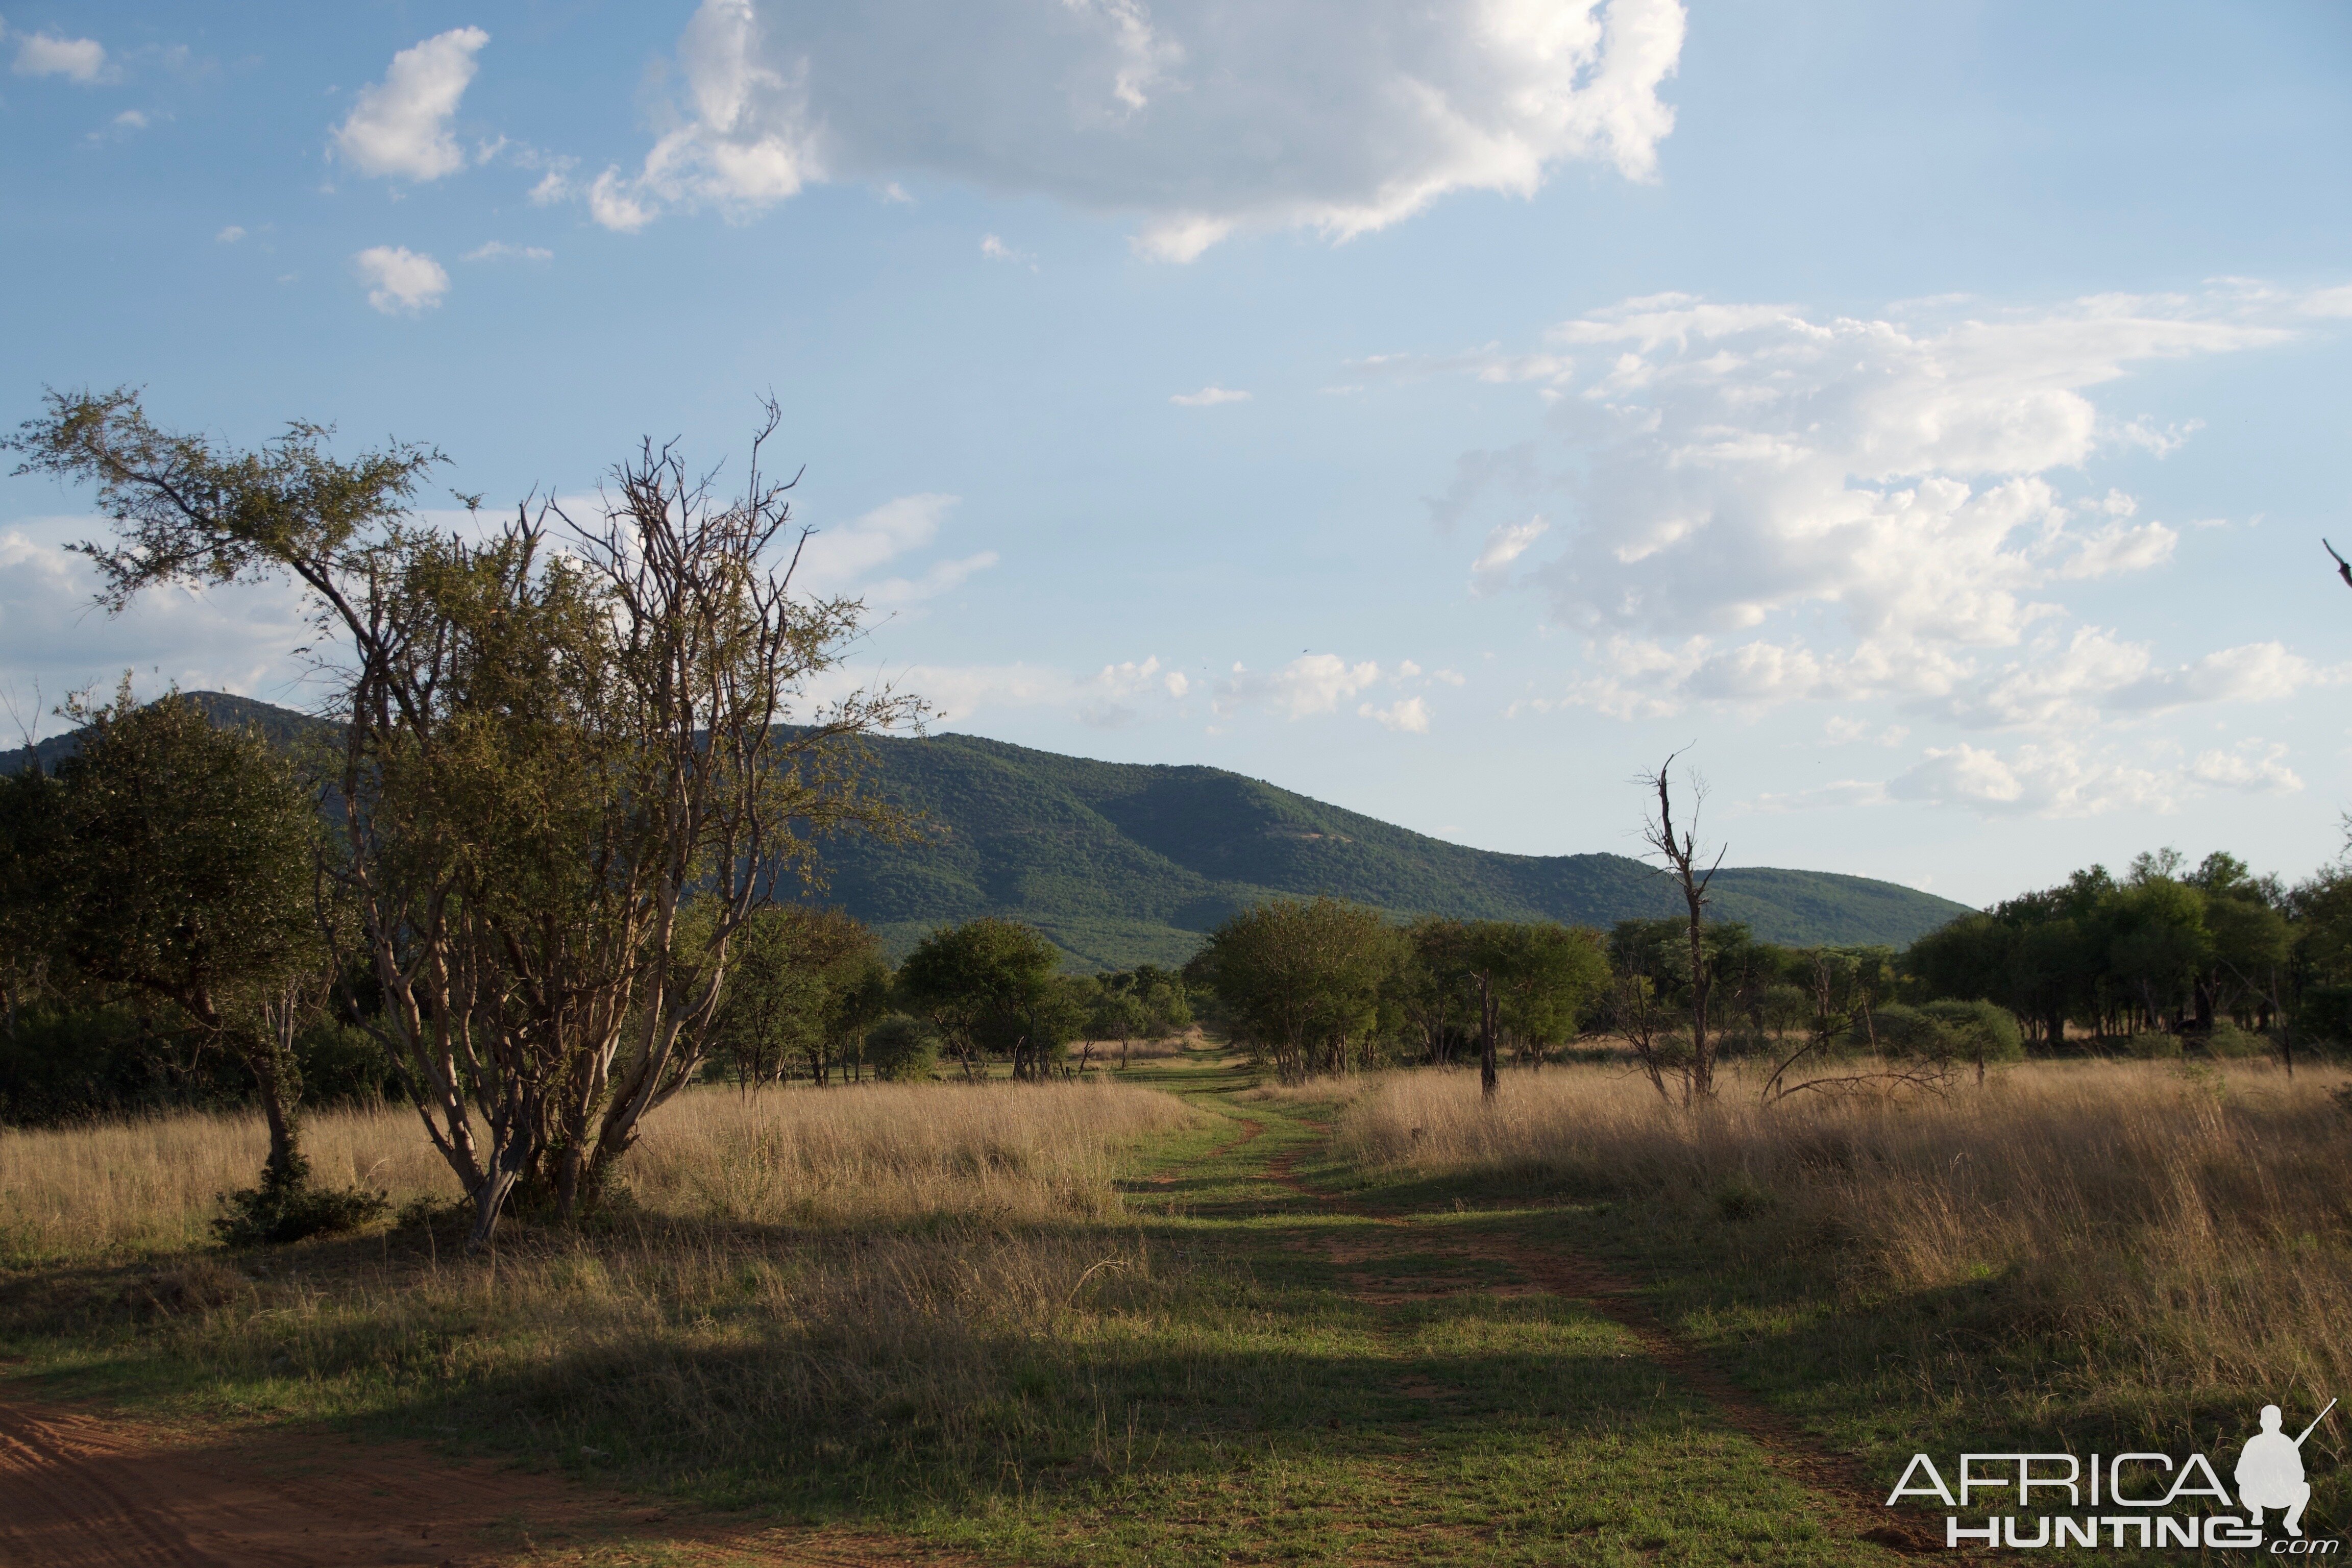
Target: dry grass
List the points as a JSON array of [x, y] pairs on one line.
[[881, 1153], [1313, 1091], [706, 1351], [872, 1153], [2197, 1223]]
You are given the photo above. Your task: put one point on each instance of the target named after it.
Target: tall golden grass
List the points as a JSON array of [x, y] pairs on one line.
[[2187, 1223], [864, 1154]]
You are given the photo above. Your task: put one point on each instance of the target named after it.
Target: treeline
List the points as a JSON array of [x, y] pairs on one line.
[[813, 998], [2161, 960], [1323, 986], [2213, 955]]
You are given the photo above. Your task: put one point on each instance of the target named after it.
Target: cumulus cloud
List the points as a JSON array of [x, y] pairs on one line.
[[1745, 461], [1312, 683], [2090, 678], [233, 638], [400, 126], [79, 60], [2058, 777], [996, 250], [853, 558], [1111, 699], [401, 281], [1879, 504], [1407, 715], [229, 236], [1208, 397], [2256, 766], [1199, 119]]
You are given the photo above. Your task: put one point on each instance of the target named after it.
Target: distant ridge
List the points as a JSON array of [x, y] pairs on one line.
[[1124, 863]]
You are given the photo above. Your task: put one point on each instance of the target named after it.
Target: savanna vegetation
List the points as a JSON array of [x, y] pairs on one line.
[[487, 1066]]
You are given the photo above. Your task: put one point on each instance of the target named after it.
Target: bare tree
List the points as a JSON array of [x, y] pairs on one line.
[[1681, 854]]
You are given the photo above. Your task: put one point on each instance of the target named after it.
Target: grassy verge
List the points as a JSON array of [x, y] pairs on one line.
[[2086, 1257]]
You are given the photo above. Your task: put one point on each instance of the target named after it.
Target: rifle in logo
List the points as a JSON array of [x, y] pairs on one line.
[[2270, 1471]]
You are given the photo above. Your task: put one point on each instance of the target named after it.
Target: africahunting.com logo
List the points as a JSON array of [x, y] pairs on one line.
[[2157, 1501]]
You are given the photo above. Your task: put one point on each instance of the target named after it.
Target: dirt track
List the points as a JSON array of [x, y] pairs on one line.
[[80, 1491]]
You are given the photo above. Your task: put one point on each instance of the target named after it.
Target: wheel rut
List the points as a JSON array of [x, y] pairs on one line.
[[1833, 1479]]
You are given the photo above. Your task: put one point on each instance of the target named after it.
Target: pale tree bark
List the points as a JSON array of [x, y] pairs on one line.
[[1683, 858]]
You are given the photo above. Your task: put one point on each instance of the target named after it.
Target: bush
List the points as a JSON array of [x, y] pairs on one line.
[[1979, 1031], [341, 1064], [290, 1208], [902, 1048], [2227, 1040], [1901, 1031]]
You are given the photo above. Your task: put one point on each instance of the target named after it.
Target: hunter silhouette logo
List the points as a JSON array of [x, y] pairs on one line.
[[2141, 1499], [2270, 1471]]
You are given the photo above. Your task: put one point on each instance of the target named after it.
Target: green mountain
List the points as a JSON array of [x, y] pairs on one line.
[[1122, 863]]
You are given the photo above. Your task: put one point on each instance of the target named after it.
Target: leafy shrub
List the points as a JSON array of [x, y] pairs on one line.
[[2227, 1040], [1978, 1031], [288, 1207], [902, 1048]]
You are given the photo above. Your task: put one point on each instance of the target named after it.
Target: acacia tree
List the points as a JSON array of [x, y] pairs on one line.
[[1303, 980], [179, 864], [550, 755], [807, 983], [992, 987]]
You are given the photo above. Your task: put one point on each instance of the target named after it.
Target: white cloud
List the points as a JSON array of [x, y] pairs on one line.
[[996, 250], [1110, 698], [847, 559], [236, 638], [1208, 397], [1408, 715], [499, 250], [1891, 497], [1505, 542], [2254, 766], [2065, 777], [2092, 678], [400, 126], [1743, 461], [1310, 684], [229, 236], [1199, 119], [400, 281], [80, 61], [2120, 547], [129, 119]]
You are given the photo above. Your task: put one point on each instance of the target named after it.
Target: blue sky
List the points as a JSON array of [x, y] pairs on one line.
[[1928, 414]]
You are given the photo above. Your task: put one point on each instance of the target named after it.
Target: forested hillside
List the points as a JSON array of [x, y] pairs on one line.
[[1123, 864]]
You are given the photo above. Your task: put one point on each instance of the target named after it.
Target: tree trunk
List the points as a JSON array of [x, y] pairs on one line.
[[277, 1080], [1487, 1010]]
